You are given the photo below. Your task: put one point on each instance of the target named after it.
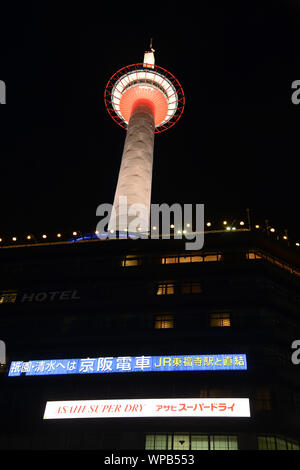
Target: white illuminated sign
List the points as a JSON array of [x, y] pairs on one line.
[[149, 408]]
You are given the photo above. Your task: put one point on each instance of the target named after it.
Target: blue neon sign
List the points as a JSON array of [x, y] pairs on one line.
[[102, 365]]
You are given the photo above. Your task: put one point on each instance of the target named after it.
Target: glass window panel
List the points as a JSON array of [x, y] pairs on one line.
[[223, 443], [196, 288], [191, 288], [165, 289], [186, 289], [199, 442], [170, 289], [211, 258], [8, 297], [270, 443], [130, 262], [149, 445], [170, 260], [164, 321], [220, 319], [280, 444], [184, 259], [263, 399], [218, 443], [160, 442], [262, 443], [232, 443], [196, 259], [276, 443], [181, 442]]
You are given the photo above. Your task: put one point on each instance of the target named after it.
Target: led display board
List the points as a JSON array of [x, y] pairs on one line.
[[149, 408], [101, 365]]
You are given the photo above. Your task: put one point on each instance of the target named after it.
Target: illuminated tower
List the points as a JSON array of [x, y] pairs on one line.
[[144, 99]]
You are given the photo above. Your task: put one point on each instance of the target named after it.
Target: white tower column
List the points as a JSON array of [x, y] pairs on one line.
[[135, 175]]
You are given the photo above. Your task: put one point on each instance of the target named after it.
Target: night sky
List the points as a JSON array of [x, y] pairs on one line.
[[236, 145]]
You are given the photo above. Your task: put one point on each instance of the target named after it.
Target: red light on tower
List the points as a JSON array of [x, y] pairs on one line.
[[144, 99]]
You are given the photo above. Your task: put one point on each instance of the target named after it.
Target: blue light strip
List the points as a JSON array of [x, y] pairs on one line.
[[102, 365]]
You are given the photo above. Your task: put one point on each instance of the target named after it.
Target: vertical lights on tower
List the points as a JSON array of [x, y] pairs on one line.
[[144, 99]]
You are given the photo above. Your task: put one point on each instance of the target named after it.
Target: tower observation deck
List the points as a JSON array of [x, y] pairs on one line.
[[144, 99]]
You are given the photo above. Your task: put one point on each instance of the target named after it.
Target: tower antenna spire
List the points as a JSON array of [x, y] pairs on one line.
[[151, 48]]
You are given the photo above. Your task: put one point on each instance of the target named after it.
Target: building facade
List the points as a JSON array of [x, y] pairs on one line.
[[232, 308]]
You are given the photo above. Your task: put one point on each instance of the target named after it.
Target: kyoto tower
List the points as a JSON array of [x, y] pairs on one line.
[[144, 99]]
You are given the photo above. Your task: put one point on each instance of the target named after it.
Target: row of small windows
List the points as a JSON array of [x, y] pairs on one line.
[[185, 441], [215, 320], [166, 288], [250, 255], [135, 261], [190, 442]]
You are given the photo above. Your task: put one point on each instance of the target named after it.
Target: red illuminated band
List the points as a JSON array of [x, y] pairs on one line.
[[138, 82]]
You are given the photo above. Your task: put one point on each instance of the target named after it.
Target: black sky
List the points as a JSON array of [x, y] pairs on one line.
[[236, 145]]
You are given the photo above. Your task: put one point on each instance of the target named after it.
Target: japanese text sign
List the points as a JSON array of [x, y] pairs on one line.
[[149, 408], [102, 365]]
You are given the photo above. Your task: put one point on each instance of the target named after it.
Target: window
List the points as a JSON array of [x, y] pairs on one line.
[[181, 442], [276, 443], [165, 288], [215, 393], [185, 441], [263, 399], [191, 258], [130, 261], [199, 442], [191, 288], [8, 296], [211, 258], [253, 255], [169, 260], [164, 321], [219, 319], [223, 443]]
